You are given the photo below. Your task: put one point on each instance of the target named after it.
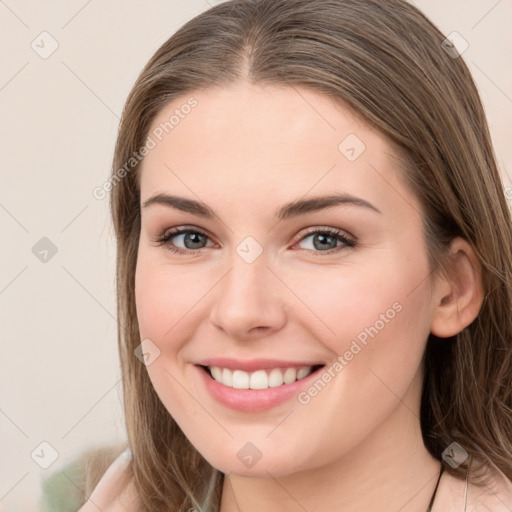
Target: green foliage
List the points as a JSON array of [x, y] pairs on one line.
[[62, 491]]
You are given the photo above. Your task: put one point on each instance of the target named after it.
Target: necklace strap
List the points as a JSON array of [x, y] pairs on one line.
[[435, 490]]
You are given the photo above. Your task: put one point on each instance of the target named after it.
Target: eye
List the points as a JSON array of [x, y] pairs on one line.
[[326, 240], [191, 238]]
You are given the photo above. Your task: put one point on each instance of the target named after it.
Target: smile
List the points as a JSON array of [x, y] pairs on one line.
[[259, 379], [260, 386]]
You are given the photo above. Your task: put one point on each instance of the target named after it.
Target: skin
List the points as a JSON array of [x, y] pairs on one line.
[[245, 151]]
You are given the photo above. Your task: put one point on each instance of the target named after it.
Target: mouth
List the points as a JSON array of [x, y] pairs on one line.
[[256, 385], [260, 379]]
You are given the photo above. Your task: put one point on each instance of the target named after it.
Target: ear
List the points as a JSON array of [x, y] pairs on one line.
[[457, 297]]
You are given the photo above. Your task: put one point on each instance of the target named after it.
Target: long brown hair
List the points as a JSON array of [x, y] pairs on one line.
[[386, 61]]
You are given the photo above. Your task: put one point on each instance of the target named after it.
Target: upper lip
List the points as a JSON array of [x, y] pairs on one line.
[[250, 365]]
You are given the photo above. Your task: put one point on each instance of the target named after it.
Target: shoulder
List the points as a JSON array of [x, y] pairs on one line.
[[494, 496], [115, 491]]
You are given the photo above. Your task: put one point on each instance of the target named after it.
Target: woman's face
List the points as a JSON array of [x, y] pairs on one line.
[[271, 282]]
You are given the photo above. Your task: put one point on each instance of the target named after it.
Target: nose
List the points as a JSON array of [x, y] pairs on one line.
[[249, 302]]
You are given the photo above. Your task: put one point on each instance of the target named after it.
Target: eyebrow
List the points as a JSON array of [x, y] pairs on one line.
[[289, 210]]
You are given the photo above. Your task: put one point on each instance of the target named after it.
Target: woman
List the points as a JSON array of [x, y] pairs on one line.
[[314, 269]]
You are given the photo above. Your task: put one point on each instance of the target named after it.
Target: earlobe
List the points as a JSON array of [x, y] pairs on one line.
[[458, 296]]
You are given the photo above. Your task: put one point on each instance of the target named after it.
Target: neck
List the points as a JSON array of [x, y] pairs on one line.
[[389, 470]]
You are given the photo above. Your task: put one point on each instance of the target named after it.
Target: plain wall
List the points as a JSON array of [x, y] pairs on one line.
[[59, 375]]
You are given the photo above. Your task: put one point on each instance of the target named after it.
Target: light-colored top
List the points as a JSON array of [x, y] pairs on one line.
[[114, 493]]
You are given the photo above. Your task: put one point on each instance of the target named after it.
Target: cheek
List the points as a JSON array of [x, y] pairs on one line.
[[165, 312], [379, 342], [380, 301], [383, 324], [375, 320], [165, 297]]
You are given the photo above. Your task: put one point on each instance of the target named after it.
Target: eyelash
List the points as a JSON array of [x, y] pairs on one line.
[[165, 237]]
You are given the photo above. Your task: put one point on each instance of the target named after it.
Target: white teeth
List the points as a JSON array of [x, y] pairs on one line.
[[260, 379], [302, 372], [227, 377], [290, 375], [240, 379], [217, 373], [275, 378]]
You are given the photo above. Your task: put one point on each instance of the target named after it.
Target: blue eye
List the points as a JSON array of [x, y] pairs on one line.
[[189, 237], [323, 238], [195, 240]]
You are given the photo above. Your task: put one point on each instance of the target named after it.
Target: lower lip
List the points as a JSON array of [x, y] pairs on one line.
[[254, 400]]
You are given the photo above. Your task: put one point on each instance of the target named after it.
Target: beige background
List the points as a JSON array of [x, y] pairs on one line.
[[59, 374]]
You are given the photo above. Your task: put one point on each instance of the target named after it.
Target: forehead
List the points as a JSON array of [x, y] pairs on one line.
[[266, 141]]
